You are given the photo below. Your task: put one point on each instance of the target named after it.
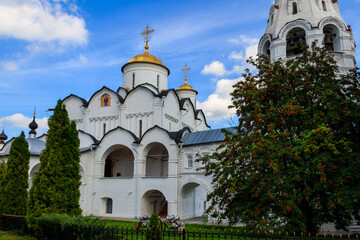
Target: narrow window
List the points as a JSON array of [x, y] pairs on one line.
[[140, 128], [133, 81], [104, 129], [295, 10], [190, 161], [109, 205], [204, 206], [158, 81], [324, 6], [272, 19]]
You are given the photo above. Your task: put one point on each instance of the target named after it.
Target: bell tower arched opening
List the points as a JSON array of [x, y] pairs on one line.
[[266, 49], [331, 38], [294, 39]]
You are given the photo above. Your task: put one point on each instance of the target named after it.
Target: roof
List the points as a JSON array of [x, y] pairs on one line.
[[35, 146], [202, 137]]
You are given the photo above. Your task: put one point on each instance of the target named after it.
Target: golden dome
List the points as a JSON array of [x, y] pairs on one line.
[[146, 57], [186, 86]]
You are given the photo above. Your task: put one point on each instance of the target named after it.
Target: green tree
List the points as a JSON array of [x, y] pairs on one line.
[[55, 188], [293, 162], [2, 168], [14, 183]]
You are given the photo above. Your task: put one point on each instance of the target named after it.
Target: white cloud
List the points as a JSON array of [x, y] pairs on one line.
[[41, 21], [18, 120], [217, 68], [9, 66], [239, 56], [251, 51], [216, 105], [244, 40], [250, 46], [83, 59]]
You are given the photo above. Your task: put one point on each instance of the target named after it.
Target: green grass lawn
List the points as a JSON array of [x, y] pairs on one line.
[[6, 235]]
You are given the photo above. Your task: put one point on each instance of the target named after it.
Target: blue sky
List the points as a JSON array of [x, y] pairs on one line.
[[50, 49]]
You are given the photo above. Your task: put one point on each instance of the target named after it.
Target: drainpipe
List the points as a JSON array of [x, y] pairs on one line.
[[178, 179], [92, 192], [136, 180]]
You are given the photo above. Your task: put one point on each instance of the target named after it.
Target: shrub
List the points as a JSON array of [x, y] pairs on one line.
[[154, 228], [62, 226]]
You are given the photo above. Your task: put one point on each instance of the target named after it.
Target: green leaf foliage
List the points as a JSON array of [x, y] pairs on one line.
[[55, 188], [293, 163], [14, 183]]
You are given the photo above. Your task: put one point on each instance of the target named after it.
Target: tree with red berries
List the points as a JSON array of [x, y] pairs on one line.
[[294, 162]]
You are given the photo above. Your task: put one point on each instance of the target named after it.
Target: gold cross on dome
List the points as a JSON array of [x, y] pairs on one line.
[[186, 69], [146, 34], [4, 121]]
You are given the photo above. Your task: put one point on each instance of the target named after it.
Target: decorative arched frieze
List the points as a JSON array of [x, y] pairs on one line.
[[194, 179], [295, 24], [334, 21], [141, 114]]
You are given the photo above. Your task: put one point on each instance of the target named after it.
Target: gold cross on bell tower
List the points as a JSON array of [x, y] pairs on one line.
[[4, 121], [186, 69], [146, 34]]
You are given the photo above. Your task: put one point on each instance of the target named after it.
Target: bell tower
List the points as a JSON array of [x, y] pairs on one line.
[[292, 22]]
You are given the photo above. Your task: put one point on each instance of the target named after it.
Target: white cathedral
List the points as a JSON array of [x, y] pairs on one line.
[[139, 143]]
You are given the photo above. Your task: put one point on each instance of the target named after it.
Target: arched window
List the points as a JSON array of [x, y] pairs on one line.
[[158, 81], [109, 166], [109, 205], [105, 100], [324, 5], [294, 39], [104, 129], [133, 81], [271, 19], [294, 8]]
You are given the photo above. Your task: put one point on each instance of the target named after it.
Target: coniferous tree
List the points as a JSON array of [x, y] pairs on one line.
[[14, 183], [294, 161], [2, 168], [55, 189]]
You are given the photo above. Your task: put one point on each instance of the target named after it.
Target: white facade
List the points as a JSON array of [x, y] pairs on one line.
[[133, 157]]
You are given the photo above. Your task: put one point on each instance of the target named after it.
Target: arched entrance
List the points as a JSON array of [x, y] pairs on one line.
[[119, 163], [157, 158], [192, 201], [154, 201]]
